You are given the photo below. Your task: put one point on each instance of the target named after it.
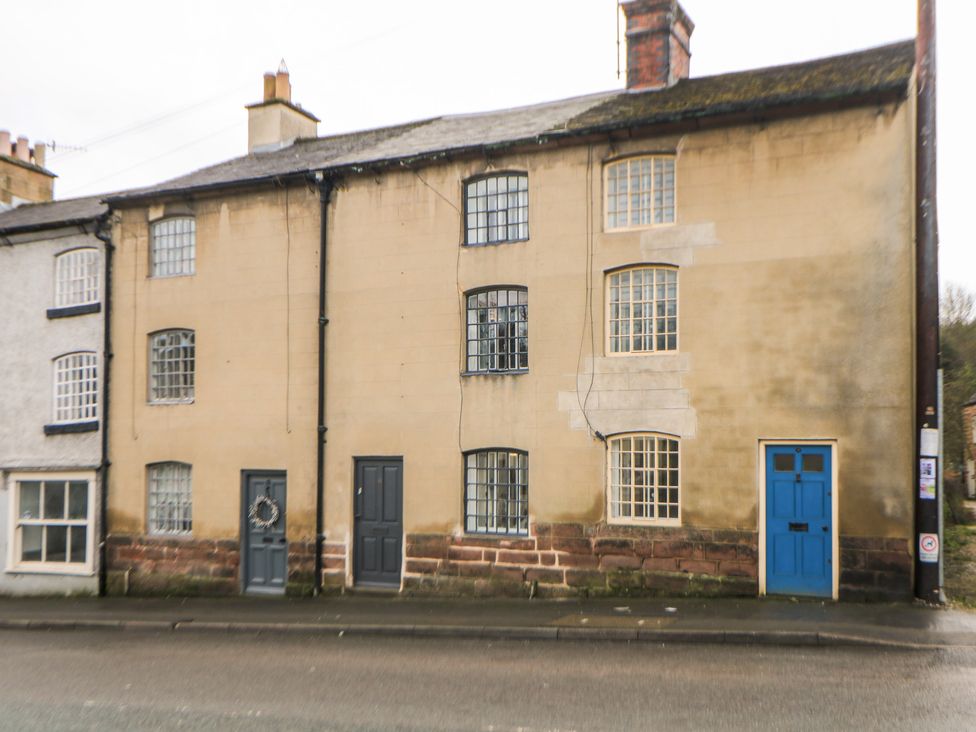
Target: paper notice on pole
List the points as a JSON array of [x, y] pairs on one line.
[[929, 443], [926, 478], [928, 547]]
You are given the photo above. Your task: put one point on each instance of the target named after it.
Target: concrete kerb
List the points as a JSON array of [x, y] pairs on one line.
[[646, 635]]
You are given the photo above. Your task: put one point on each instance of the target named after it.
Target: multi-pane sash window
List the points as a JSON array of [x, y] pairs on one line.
[[76, 278], [76, 388], [170, 498], [52, 522], [496, 492], [640, 192], [642, 310], [172, 365], [173, 247], [498, 330], [644, 478], [496, 209]]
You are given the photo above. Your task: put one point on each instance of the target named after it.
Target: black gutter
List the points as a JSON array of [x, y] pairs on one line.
[[927, 563], [325, 193], [103, 233]]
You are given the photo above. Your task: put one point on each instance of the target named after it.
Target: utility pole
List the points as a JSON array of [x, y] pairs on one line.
[[928, 545]]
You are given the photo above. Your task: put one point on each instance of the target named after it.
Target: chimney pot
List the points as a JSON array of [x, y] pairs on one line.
[[658, 43], [40, 153], [5, 143], [23, 149], [282, 84], [269, 87]]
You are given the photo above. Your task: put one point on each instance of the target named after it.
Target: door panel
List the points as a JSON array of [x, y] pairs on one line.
[[799, 520], [378, 523], [264, 501]]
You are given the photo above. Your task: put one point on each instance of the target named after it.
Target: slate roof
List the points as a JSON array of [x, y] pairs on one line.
[[36, 216], [874, 74], [971, 402]]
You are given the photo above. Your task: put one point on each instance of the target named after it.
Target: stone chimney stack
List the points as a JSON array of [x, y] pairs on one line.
[[275, 122], [658, 43], [23, 177]]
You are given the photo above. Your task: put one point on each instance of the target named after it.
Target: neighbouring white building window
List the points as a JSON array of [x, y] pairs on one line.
[[644, 479], [173, 247], [76, 388], [52, 520], [642, 310], [170, 498], [498, 330], [640, 192], [496, 208], [496, 492], [76, 278], [172, 366]]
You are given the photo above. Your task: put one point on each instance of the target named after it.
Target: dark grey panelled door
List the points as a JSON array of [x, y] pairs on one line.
[[265, 550], [378, 531]]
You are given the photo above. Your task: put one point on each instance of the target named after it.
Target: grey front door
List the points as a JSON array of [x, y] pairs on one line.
[[378, 530], [265, 551]]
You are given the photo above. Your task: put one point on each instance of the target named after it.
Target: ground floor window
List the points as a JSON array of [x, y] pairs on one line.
[[496, 492], [52, 522], [643, 480], [170, 498]]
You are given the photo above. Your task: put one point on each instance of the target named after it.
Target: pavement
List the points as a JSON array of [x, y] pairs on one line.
[[662, 620]]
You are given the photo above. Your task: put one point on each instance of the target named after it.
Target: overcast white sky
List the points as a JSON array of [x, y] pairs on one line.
[[151, 91]]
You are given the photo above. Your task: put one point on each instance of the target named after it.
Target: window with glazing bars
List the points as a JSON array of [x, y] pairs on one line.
[[173, 247], [496, 492], [52, 521], [76, 278], [644, 478], [640, 192], [172, 365], [76, 388], [642, 310], [170, 498], [498, 330], [496, 209]]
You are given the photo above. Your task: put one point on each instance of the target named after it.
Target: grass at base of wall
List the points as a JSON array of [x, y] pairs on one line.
[[960, 565]]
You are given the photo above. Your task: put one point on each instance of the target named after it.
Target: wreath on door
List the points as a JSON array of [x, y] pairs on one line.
[[264, 519]]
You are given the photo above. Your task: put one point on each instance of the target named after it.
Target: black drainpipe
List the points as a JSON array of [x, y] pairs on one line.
[[325, 193], [103, 233]]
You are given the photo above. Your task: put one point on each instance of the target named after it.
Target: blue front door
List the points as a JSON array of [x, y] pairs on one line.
[[799, 526]]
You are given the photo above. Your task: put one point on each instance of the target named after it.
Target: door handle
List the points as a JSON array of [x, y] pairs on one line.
[[797, 526]]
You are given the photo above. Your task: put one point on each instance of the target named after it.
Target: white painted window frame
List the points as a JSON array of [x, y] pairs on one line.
[[834, 496], [183, 495], [630, 520], [77, 277], [60, 370], [14, 544], [627, 160], [152, 362], [607, 275], [171, 250]]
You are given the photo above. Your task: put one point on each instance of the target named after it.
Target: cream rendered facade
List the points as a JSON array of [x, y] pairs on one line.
[[794, 250], [252, 303]]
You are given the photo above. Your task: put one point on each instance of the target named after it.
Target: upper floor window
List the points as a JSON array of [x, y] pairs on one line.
[[172, 366], [643, 481], [642, 310], [76, 278], [496, 208], [498, 330], [173, 247], [640, 192], [170, 498], [496, 492], [76, 388]]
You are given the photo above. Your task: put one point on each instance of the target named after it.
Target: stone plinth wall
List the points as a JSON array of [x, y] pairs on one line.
[[875, 568]]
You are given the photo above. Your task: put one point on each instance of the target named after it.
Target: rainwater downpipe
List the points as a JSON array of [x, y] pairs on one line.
[[103, 233], [325, 193]]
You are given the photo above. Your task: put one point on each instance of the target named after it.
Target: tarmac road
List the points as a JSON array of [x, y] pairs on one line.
[[125, 680]]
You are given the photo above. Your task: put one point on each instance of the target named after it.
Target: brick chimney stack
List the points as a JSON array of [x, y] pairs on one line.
[[658, 43]]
